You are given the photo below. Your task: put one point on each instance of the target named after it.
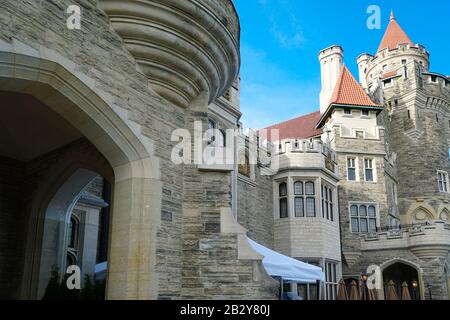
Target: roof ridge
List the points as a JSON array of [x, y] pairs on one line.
[[289, 120]]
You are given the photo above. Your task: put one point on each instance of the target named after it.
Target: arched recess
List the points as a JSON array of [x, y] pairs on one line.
[[52, 79], [444, 213], [417, 271], [56, 217], [420, 213]]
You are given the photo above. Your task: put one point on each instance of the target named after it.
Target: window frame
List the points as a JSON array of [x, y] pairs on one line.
[[285, 198], [366, 217], [372, 168], [306, 197], [444, 181], [327, 201], [355, 159], [331, 283]]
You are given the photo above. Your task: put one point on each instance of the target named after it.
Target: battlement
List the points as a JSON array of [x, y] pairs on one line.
[[306, 154], [423, 239]]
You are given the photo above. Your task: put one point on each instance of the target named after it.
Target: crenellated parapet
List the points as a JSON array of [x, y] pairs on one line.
[[185, 48], [426, 241], [301, 153]]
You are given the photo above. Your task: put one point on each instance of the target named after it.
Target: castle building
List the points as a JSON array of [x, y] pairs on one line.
[[102, 163], [388, 167]]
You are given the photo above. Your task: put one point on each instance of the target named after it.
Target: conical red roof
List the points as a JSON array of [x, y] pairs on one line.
[[394, 36], [348, 91]]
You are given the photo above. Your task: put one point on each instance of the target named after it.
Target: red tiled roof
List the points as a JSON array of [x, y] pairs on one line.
[[348, 91], [389, 75], [298, 128], [394, 36]]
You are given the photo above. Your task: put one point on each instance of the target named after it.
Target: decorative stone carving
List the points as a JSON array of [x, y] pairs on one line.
[[184, 47]]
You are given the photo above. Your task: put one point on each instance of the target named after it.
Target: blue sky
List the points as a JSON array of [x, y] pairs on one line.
[[280, 41]]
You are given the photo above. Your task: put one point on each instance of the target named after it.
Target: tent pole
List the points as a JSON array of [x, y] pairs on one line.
[[318, 289], [281, 289]]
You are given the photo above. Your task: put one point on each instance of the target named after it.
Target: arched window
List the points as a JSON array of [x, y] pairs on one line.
[[299, 200], [298, 188], [72, 234], [211, 128], [310, 201], [363, 218], [327, 203], [282, 191]]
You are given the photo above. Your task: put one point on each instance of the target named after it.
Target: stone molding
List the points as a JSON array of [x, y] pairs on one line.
[[183, 47]]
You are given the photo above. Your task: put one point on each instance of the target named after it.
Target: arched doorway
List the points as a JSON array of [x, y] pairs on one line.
[[76, 229], [399, 273], [136, 188]]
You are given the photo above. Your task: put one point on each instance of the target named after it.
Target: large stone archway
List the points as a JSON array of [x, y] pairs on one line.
[[400, 271], [52, 79]]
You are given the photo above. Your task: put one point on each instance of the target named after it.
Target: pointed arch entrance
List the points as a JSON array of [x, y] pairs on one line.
[[51, 80], [401, 272]]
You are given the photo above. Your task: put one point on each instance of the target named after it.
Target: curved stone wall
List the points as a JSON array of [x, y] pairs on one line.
[[183, 47]]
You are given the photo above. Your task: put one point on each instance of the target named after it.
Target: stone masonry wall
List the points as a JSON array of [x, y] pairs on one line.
[[255, 207], [359, 191]]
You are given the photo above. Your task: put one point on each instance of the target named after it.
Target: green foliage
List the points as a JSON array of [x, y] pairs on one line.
[[57, 288]]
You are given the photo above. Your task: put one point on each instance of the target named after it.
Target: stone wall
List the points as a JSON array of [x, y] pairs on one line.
[[255, 207], [99, 53], [359, 191]]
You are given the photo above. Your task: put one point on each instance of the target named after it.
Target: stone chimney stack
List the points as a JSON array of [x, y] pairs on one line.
[[331, 61], [363, 62]]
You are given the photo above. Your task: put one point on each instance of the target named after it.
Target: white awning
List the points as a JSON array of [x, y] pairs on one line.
[[289, 269]]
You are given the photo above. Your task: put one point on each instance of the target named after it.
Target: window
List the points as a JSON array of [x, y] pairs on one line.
[[299, 202], [351, 169], [387, 83], [211, 128], [365, 113], [368, 170], [331, 283], [409, 114], [327, 203], [363, 218], [310, 201], [244, 167], [347, 111], [304, 199], [216, 137], [434, 79], [443, 181], [404, 61], [72, 235], [282, 191]]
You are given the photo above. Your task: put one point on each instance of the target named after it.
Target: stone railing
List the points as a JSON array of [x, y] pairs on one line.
[[425, 240], [184, 47], [306, 154]]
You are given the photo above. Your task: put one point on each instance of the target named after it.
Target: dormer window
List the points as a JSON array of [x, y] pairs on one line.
[[387, 83]]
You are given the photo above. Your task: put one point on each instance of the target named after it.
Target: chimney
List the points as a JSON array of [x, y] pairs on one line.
[[363, 64], [331, 61]]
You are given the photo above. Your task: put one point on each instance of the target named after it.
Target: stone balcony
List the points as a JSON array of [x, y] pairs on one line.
[[425, 241], [294, 153], [184, 47]]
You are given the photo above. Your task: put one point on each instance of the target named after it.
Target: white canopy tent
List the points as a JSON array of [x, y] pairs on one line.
[[287, 268]]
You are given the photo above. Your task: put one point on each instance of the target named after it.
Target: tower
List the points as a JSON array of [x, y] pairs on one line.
[[417, 123], [331, 60]]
